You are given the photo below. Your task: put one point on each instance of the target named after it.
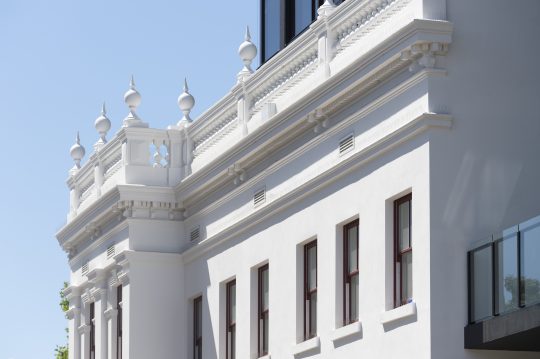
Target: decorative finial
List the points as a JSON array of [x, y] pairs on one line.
[[186, 102], [132, 98], [326, 9], [102, 125], [77, 152], [247, 52]]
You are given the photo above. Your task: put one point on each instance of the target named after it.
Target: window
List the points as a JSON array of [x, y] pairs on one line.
[[283, 20], [310, 290], [119, 322], [230, 320], [263, 311], [402, 251], [197, 328], [350, 273], [92, 331]]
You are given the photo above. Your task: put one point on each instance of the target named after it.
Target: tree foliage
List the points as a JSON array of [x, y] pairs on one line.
[[61, 351]]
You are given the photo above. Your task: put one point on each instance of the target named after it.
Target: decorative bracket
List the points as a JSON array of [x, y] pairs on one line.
[[319, 119], [238, 172], [423, 55]]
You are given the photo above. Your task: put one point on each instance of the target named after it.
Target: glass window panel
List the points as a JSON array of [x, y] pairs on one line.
[[482, 283], [312, 267], [353, 304], [272, 27], [353, 249], [406, 277], [313, 315], [397, 299], [530, 234], [265, 289], [199, 317], [232, 309], [404, 212], [265, 332], [303, 13], [507, 276]]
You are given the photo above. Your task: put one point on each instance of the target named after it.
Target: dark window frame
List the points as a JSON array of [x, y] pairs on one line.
[[398, 253], [348, 275], [92, 346], [230, 325], [197, 340], [286, 24], [262, 313], [308, 293], [119, 322]]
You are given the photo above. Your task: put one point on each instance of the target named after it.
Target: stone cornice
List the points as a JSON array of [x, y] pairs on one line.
[[406, 132], [96, 212], [123, 201], [362, 72], [363, 112]]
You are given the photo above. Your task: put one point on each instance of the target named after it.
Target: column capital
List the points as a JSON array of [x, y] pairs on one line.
[[110, 313], [84, 329]]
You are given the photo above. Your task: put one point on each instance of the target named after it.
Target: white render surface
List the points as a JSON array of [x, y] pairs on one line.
[[440, 97]]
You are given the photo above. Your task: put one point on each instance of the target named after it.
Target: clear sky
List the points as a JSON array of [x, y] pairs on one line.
[[59, 60]]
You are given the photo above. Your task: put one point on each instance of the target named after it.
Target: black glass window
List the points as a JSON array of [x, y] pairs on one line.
[[271, 28], [283, 20], [303, 15]]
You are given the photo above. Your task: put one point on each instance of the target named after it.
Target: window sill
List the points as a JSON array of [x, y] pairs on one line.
[[405, 311], [306, 345], [346, 331], [267, 356]]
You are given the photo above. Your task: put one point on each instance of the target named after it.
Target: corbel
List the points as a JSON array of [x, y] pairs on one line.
[[319, 119], [423, 55], [238, 172]]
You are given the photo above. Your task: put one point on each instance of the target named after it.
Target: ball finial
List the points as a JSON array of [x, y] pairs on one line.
[[132, 98], [247, 52], [77, 151], [102, 125], [186, 102]]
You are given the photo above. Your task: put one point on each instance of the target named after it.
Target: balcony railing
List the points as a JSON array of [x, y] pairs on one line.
[[504, 274]]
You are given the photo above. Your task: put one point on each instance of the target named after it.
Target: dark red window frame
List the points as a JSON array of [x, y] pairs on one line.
[[119, 322], [349, 275], [92, 331], [310, 329], [400, 298], [230, 321], [263, 312], [197, 328]]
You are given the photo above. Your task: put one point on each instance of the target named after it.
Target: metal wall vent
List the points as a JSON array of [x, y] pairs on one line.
[[346, 144], [259, 197], [110, 251], [195, 234], [85, 268]]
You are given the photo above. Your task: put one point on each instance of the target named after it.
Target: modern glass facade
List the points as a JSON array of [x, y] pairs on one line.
[[283, 20], [504, 274]]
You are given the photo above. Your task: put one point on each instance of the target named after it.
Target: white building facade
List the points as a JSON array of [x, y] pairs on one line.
[[325, 206]]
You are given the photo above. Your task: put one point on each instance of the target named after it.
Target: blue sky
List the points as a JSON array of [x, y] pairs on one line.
[[59, 60]]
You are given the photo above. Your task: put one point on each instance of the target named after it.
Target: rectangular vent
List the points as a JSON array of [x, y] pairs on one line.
[[346, 144], [110, 251], [85, 268], [259, 197], [195, 234]]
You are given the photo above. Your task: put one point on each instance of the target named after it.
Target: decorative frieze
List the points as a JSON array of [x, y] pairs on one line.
[[289, 75]]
